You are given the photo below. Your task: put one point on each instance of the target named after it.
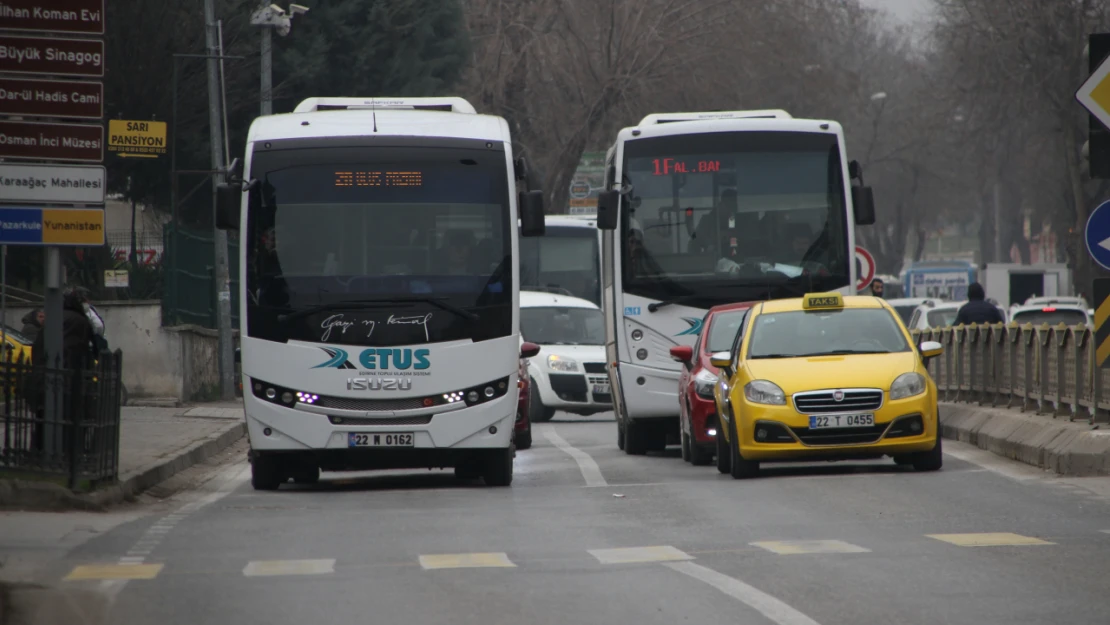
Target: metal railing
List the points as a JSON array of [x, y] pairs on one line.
[[81, 444], [1048, 369]]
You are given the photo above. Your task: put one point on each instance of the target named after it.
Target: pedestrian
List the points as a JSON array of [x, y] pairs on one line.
[[977, 309], [32, 323], [877, 288]]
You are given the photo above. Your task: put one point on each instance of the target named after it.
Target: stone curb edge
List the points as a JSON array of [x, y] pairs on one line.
[[1067, 448], [38, 496]]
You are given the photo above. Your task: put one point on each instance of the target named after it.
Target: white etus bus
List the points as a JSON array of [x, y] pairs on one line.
[[379, 317], [701, 209]]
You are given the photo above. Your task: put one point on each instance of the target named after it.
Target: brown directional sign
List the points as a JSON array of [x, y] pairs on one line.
[[51, 98], [62, 57], [52, 142], [63, 16]]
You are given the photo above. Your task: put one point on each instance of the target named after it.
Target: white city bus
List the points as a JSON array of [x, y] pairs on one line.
[[566, 259], [379, 297], [701, 209]]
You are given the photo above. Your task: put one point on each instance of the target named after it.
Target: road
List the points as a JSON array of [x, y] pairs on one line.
[[588, 535]]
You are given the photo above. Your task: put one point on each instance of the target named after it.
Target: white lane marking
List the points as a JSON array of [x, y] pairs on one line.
[[590, 471], [771, 607], [229, 479]]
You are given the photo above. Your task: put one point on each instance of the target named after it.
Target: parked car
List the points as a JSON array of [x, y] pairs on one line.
[[569, 374], [17, 346], [941, 314], [697, 410], [905, 306], [1052, 314], [523, 430]]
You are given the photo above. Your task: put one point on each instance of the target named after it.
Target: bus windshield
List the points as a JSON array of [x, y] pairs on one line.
[[564, 260], [378, 246], [713, 213]]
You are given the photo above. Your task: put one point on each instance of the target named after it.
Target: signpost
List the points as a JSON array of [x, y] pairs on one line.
[[51, 226], [867, 268], [136, 139], [52, 142], [1094, 95], [52, 184], [51, 98], [60, 57], [85, 17]]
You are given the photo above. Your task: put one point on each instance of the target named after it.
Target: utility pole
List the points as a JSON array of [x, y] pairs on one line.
[[267, 70], [271, 17], [219, 237], [998, 222]]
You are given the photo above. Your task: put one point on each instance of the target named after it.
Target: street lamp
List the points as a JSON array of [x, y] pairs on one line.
[[272, 17]]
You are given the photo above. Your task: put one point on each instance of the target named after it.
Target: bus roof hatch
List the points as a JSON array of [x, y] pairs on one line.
[[447, 104]]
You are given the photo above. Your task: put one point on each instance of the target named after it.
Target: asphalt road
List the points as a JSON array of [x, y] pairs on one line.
[[588, 535]]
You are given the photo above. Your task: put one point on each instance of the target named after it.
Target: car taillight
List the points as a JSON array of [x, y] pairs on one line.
[[1048, 309]]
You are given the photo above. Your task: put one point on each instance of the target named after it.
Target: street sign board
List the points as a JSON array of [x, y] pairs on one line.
[[52, 142], [1102, 322], [867, 268], [85, 17], [51, 226], [51, 98], [61, 57], [52, 184], [1097, 235], [136, 138], [1094, 94]]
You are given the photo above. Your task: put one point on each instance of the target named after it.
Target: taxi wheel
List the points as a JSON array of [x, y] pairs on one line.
[[929, 460], [635, 438], [741, 469], [724, 458]]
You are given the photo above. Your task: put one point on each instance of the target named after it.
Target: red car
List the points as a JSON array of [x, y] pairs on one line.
[[698, 411], [523, 431]]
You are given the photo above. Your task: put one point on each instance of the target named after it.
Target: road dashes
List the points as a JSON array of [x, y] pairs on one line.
[[799, 547], [990, 539]]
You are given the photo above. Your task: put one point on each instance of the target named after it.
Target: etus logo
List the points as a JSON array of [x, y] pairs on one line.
[[381, 359], [694, 329]]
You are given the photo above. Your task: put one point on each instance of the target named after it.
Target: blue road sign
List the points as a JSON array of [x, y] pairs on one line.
[[51, 226], [1097, 235], [20, 226]]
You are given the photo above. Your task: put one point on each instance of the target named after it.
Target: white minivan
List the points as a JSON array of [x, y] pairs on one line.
[[569, 372]]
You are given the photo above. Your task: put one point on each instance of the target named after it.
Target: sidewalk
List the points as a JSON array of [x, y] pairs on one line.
[[155, 443]]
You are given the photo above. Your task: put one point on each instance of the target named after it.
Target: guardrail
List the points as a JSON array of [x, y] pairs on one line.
[[1048, 369]]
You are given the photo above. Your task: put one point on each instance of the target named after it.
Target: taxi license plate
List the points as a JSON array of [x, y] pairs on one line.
[[394, 439], [822, 422], [601, 389]]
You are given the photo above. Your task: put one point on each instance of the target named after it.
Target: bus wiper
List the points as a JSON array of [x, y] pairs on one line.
[[654, 306], [362, 304]]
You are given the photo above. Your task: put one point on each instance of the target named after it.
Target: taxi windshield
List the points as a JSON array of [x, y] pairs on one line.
[[797, 334]]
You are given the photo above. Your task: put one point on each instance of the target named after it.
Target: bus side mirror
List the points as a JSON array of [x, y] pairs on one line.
[[530, 204], [229, 201], [608, 203], [863, 202]]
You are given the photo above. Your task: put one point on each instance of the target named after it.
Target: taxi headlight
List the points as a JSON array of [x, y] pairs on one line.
[[557, 363], [907, 385], [704, 382], [764, 392]]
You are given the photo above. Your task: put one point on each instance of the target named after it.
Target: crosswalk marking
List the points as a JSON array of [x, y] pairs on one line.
[[798, 547], [465, 561], [989, 539], [113, 571], [630, 555], [268, 568]]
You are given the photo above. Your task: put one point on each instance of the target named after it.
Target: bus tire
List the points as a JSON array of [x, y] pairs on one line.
[[635, 438], [266, 473], [620, 435], [499, 467], [307, 475]]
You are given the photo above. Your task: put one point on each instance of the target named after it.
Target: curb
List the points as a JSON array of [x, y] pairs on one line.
[[43, 497], [1067, 448]]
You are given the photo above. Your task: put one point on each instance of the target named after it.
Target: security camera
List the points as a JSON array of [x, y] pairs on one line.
[[298, 9], [277, 10]]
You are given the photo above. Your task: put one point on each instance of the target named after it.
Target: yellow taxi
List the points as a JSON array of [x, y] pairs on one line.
[[825, 377], [17, 347]]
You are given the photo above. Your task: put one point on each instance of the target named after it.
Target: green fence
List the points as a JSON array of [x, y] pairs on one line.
[[190, 275]]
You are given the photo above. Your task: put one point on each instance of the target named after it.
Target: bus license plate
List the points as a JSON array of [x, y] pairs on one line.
[[395, 439], [821, 422]]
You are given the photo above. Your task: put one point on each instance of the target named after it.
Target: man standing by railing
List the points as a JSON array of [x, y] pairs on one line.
[[977, 309]]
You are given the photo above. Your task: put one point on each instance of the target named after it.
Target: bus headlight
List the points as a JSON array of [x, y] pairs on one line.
[[561, 363]]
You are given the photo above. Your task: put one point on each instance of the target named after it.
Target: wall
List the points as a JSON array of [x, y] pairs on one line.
[[179, 362]]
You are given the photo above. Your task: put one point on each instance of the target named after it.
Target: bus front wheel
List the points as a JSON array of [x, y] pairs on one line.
[[499, 468], [266, 473]]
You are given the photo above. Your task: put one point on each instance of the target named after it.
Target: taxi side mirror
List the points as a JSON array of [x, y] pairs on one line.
[[721, 360], [930, 349]]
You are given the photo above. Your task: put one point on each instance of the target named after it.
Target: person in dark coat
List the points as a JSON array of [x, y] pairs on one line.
[[32, 323], [977, 309], [77, 355]]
